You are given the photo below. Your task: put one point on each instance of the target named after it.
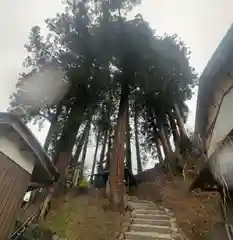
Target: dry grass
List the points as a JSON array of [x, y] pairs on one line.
[[84, 218]]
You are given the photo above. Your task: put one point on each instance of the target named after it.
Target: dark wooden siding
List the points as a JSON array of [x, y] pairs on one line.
[[13, 184]]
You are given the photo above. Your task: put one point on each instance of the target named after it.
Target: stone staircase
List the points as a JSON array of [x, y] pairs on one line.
[[150, 221]]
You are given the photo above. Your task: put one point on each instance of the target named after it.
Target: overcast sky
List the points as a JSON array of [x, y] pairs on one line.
[[200, 23]]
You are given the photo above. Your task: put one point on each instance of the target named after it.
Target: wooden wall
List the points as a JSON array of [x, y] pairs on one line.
[[13, 184]]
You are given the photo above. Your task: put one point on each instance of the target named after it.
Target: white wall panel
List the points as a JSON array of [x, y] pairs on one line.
[[24, 159], [223, 124]]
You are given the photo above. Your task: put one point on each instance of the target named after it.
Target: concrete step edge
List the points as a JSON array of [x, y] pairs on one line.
[[149, 234], [149, 225], [150, 213], [151, 222], [142, 205], [141, 201], [150, 210], [147, 205], [146, 216], [155, 220]]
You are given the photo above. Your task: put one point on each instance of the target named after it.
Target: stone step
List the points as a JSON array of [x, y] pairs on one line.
[[149, 211], [142, 206], [150, 221], [147, 236], [141, 201], [150, 228], [156, 222], [151, 216], [137, 199]]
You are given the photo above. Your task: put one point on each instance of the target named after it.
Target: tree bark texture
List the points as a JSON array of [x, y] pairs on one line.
[[109, 148], [65, 147], [180, 121], [167, 136], [102, 154], [95, 158], [68, 138], [160, 156], [53, 127], [175, 132], [117, 155], [84, 153], [164, 142], [139, 162], [128, 144], [80, 144]]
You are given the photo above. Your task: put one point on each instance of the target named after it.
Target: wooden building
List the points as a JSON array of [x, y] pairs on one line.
[[214, 128], [23, 165], [214, 114]]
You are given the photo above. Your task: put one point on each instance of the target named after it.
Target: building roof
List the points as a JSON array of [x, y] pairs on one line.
[[218, 66], [44, 172]]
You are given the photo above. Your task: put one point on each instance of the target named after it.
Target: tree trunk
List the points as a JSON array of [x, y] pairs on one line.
[[67, 140], [52, 130], [49, 136], [109, 148], [80, 144], [84, 153], [66, 143], [158, 136], [53, 127], [175, 132], [180, 122], [139, 162], [117, 155], [160, 156], [168, 138], [44, 206], [103, 147], [164, 142], [95, 158], [65, 147], [128, 147]]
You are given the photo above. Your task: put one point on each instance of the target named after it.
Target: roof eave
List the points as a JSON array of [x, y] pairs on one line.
[[218, 66], [24, 132]]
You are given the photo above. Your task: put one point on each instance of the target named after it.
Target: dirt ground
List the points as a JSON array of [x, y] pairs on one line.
[[196, 213], [84, 218]]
